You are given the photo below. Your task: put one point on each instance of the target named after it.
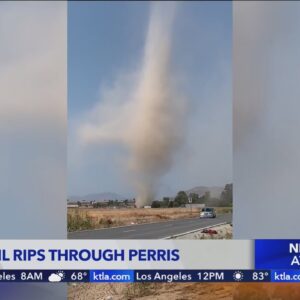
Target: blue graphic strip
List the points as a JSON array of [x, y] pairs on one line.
[[111, 276], [202, 276], [285, 276], [277, 254], [139, 276]]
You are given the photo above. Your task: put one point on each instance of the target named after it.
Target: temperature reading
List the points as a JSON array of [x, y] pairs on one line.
[[259, 276], [78, 276]]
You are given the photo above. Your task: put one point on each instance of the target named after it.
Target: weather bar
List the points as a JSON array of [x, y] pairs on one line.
[[168, 276]]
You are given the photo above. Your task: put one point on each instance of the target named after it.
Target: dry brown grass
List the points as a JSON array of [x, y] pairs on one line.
[[87, 218], [93, 218]]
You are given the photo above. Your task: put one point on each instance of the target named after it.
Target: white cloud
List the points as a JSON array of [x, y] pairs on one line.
[[54, 278]]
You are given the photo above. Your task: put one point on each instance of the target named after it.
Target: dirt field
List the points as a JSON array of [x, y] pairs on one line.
[[89, 218], [185, 291], [149, 291]]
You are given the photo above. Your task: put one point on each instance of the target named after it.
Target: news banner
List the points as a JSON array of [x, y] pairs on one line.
[[272, 261]]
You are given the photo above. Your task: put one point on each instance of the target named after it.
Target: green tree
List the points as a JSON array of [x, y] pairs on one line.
[[195, 197], [165, 202], [180, 199], [207, 196], [226, 196], [171, 204], [156, 204]]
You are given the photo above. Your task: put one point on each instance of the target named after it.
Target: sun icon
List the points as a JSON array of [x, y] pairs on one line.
[[238, 276], [61, 274]]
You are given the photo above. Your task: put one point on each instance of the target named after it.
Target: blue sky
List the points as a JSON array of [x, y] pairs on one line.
[[106, 39]]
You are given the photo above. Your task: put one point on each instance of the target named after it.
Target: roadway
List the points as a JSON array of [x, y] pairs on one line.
[[158, 230]]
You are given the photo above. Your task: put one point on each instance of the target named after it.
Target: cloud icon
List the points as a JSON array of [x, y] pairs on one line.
[[54, 278]]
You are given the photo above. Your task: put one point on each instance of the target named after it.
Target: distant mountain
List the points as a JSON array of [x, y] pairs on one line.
[[215, 191], [98, 197]]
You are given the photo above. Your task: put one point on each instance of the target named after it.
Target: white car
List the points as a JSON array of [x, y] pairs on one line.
[[208, 212]]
